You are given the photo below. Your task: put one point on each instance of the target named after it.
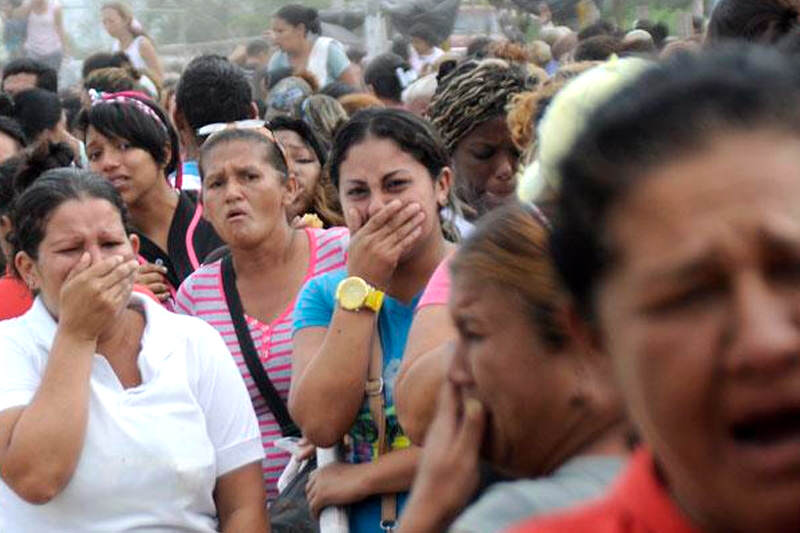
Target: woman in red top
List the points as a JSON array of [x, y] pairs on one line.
[[678, 235]]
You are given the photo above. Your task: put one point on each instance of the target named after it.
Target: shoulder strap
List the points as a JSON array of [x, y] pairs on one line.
[[259, 375], [377, 407]]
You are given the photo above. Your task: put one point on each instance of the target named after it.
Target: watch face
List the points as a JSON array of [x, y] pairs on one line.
[[353, 292]]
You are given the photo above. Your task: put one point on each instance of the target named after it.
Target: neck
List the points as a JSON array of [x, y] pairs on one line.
[[191, 151], [302, 50], [593, 434], [121, 333], [125, 38], [155, 209], [277, 249], [411, 276]]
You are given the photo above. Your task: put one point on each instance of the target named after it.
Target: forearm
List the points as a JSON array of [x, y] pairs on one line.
[[392, 472], [47, 439], [416, 394], [330, 390], [251, 519], [424, 514]]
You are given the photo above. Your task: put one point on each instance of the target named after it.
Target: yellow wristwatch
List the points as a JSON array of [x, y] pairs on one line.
[[354, 293]]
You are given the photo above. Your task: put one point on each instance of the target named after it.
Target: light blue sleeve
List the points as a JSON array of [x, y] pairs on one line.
[[278, 61], [316, 302], [337, 60]]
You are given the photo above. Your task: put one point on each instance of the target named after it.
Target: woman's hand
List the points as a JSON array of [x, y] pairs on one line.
[[305, 450], [451, 452], [335, 484], [93, 295], [377, 244], [153, 277]]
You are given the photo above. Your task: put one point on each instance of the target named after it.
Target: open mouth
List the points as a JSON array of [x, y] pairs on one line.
[[768, 429], [235, 214], [118, 181]]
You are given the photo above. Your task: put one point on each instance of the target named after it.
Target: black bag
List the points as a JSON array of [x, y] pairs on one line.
[[289, 513]]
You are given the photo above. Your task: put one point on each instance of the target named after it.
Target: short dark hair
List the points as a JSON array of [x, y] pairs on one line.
[[424, 32], [37, 160], [478, 48], [597, 48], [381, 74], [257, 46], [37, 110], [296, 14], [8, 169], [212, 89], [337, 89], [673, 109], [400, 45], [34, 207], [46, 77], [12, 128], [765, 21], [127, 121], [601, 27], [96, 62]]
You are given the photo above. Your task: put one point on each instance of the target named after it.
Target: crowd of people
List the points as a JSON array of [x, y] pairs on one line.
[[532, 287]]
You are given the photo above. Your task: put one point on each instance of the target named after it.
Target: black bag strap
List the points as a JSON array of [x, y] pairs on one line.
[[259, 375]]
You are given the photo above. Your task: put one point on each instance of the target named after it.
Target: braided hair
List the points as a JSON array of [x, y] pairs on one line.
[[472, 94]]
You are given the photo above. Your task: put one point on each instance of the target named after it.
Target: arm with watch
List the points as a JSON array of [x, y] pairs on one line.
[[330, 364]]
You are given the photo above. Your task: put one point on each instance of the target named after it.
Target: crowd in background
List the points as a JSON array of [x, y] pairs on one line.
[[534, 286]]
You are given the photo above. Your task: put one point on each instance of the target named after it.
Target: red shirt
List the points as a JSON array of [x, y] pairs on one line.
[[15, 298], [638, 503]]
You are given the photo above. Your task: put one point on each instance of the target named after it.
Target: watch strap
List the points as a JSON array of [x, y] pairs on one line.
[[374, 300]]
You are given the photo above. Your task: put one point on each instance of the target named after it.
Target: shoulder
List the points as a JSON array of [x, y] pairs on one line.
[[279, 59], [204, 277], [598, 517], [326, 240], [191, 334], [325, 284]]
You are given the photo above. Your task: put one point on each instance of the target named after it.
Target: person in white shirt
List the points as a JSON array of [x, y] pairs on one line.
[[131, 38], [424, 51], [115, 415]]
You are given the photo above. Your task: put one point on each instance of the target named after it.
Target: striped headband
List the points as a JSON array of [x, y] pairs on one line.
[[137, 99], [133, 98]]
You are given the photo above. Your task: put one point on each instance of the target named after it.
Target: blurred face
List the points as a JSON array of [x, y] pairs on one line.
[[306, 166], [501, 361], [9, 147], [486, 163], [16, 83], [76, 226], [701, 312], [420, 45], [376, 171], [244, 197], [288, 38], [132, 171], [113, 22]]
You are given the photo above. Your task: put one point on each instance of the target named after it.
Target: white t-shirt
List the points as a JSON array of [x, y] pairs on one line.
[[152, 453]]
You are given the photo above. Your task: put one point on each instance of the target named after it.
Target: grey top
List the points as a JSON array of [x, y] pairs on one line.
[[506, 504]]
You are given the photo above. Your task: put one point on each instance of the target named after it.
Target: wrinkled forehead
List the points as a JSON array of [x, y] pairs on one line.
[[741, 193]]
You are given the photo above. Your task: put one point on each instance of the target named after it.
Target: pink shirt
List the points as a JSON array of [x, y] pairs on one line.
[[438, 290], [202, 295]]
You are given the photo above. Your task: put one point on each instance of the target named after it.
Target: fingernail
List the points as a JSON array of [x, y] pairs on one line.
[[472, 407]]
